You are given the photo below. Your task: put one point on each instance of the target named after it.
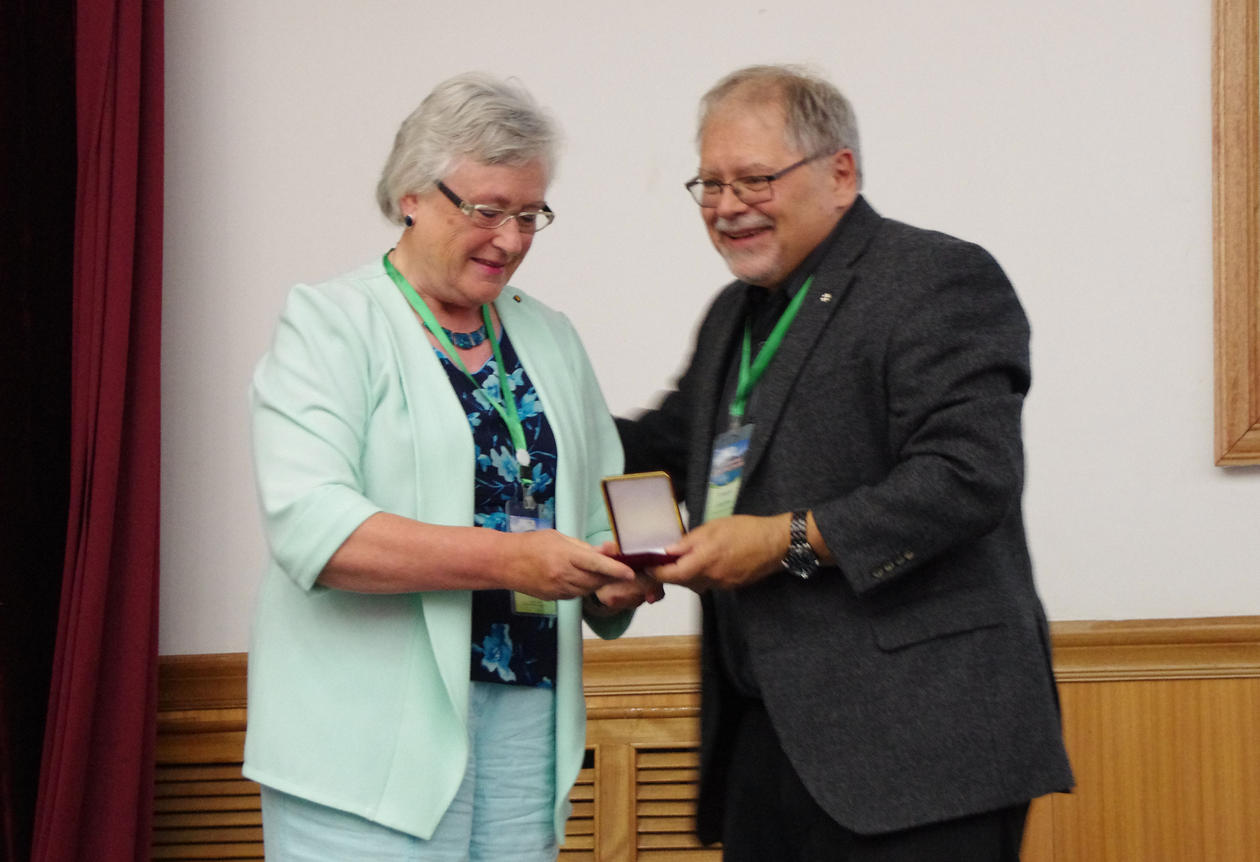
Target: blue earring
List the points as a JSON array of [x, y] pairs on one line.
[[408, 220]]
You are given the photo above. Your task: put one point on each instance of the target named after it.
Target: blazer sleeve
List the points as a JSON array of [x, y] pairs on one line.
[[662, 437], [956, 373], [310, 401], [657, 439], [604, 455], [607, 460]]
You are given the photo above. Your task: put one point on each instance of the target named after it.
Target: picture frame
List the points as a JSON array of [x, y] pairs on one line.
[[1236, 230]]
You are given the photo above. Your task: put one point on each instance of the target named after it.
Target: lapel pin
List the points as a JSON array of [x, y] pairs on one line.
[[826, 297]]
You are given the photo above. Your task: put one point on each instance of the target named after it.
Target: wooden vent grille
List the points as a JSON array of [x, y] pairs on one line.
[[206, 811], [579, 831], [666, 781]]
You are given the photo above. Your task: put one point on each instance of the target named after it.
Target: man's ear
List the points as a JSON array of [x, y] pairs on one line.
[[844, 174]]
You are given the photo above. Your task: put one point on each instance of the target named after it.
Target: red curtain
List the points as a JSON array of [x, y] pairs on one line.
[[95, 795]]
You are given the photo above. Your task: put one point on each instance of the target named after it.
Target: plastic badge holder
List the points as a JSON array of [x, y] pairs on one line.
[[644, 517]]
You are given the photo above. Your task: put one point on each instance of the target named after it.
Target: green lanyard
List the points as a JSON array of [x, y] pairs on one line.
[[510, 417], [750, 373]]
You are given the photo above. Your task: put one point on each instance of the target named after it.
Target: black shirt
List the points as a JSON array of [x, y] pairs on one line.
[[765, 307]]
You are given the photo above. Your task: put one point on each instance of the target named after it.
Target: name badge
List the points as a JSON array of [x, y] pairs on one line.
[[726, 471], [525, 516]]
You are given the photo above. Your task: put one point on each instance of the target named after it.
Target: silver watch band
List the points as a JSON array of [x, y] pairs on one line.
[[800, 558]]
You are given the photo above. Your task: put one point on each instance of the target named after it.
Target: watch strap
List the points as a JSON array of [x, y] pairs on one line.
[[800, 558]]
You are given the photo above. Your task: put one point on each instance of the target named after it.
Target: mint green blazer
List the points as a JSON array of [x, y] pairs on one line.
[[360, 701]]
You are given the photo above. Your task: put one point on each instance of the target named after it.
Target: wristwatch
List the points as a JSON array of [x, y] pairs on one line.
[[800, 558]]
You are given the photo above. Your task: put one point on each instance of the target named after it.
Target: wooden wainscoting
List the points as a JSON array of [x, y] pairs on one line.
[[1161, 717]]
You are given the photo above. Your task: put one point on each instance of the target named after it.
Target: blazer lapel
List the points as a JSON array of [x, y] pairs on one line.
[[826, 294], [775, 387], [712, 363]]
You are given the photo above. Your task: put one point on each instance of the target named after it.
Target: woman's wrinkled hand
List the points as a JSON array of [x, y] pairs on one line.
[[550, 565], [627, 595], [620, 596]]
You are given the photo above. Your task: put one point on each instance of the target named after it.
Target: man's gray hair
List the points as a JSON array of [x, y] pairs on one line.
[[819, 117], [475, 116]]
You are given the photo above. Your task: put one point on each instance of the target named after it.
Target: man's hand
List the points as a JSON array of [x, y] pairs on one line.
[[728, 553]]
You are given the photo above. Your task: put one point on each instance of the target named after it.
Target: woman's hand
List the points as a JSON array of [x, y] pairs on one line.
[[615, 598], [550, 565], [392, 554]]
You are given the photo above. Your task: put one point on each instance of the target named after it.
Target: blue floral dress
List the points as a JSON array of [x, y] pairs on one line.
[[508, 646]]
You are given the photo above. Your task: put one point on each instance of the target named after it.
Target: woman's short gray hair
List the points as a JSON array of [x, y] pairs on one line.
[[819, 117], [475, 116]]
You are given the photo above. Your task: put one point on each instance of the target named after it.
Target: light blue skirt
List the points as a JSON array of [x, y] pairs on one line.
[[503, 809]]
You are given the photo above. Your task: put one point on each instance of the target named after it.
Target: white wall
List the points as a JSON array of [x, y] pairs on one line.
[[1071, 139]]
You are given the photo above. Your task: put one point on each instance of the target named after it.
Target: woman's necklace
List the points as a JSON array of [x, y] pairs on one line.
[[466, 340]]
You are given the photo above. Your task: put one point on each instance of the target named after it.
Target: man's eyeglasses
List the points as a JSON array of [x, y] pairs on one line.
[[484, 215], [750, 190]]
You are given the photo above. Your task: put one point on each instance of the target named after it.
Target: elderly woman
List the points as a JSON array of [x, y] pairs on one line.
[[428, 444]]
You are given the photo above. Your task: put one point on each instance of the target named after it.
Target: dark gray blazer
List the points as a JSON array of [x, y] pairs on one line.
[[911, 683]]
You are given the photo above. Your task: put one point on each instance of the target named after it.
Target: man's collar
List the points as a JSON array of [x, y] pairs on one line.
[[810, 264]]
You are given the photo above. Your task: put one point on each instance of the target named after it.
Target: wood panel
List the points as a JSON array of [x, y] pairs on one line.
[[1161, 718], [1166, 770]]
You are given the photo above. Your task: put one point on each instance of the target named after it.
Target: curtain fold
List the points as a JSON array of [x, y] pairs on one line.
[[95, 796]]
